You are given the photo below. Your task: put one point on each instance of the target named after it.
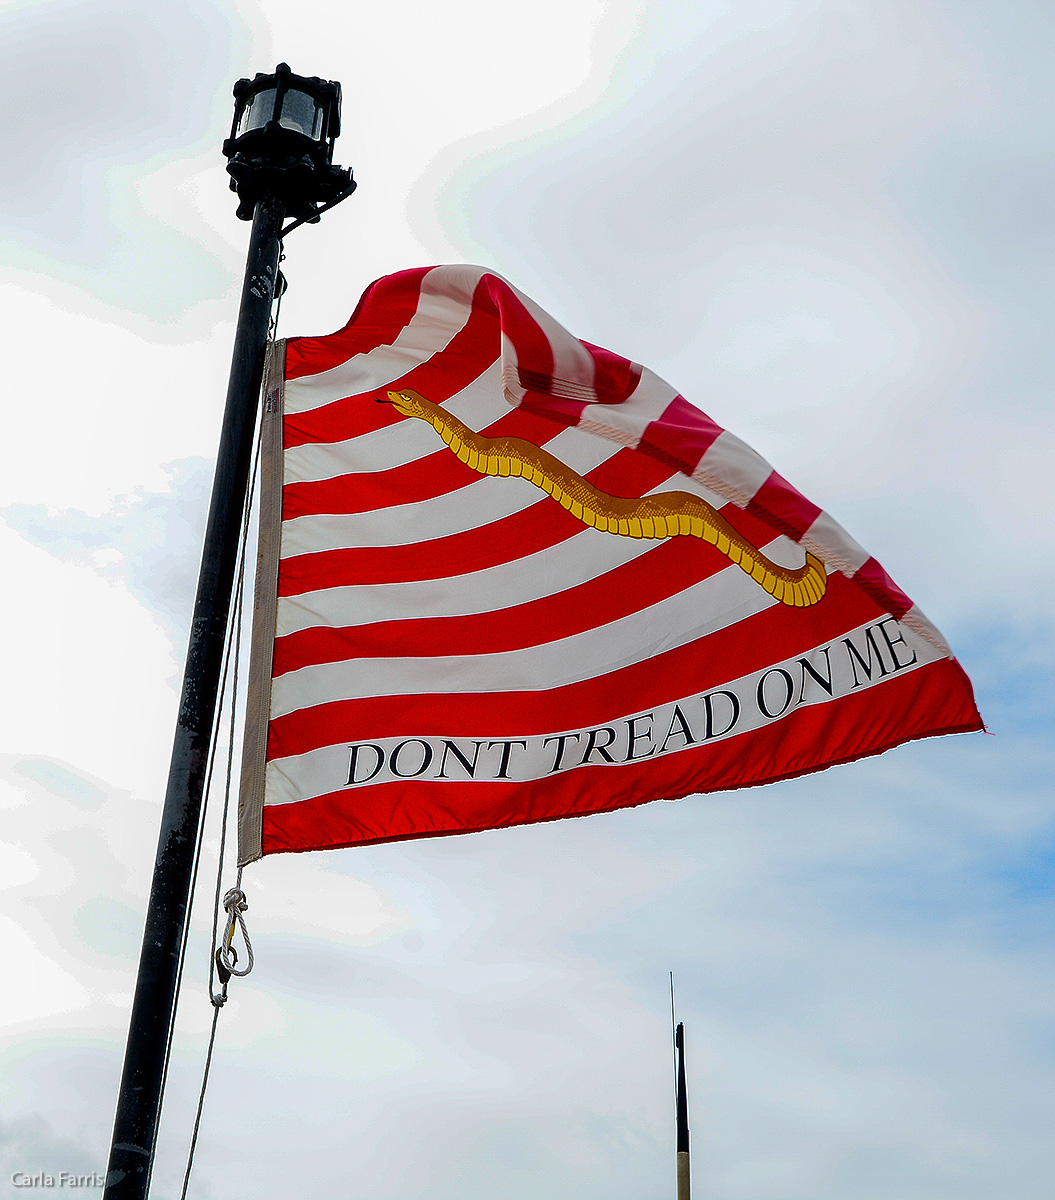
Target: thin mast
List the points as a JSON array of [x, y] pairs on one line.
[[681, 1099], [682, 1105]]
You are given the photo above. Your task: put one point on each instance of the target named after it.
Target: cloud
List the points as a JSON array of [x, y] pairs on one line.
[[761, 203], [838, 945], [426, 1017], [100, 98], [785, 208], [727, 124], [149, 540], [31, 1146], [70, 625]]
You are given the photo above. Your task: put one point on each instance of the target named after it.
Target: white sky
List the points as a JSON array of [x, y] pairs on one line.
[[827, 222]]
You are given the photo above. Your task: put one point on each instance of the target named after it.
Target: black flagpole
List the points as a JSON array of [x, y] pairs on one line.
[[280, 160], [139, 1100]]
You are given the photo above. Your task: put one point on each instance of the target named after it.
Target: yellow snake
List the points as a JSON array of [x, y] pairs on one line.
[[664, 515]]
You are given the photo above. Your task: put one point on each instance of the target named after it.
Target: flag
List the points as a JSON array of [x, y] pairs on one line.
[[507, 576]]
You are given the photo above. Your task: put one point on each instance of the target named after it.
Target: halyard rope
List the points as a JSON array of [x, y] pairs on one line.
[[223, 961], [219, 999], [213, 743]]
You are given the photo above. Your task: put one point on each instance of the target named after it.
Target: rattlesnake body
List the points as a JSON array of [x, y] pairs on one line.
[[667, 514]]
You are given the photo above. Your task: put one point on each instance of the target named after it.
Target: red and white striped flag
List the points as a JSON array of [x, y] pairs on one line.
[[507, 576]]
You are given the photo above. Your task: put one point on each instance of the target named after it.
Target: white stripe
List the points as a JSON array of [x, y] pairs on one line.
[[439, 317], [626, 423], [487, 499], [732, 469], [828, 540], [379, 450], [915, 620], [479, 404], [715, 603], [511, 389], [547, 572], [572, 362], [320, 772]]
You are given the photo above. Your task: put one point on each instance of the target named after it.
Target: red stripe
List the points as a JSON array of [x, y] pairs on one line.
[[783, 507], [668, 568], [349, 417], [615, 378], [929, 702], [533, 350], [554, 408], [526, 532], [385, 308], [433, 475], [752, 644], [681, 436], [883, 590]]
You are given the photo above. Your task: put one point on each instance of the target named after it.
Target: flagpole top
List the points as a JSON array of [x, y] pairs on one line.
[[281, 143]]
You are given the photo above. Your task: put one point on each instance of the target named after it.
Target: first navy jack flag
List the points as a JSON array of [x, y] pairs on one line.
[[506, 576]]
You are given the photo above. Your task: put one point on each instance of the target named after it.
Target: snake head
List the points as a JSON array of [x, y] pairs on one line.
[[406, 402]]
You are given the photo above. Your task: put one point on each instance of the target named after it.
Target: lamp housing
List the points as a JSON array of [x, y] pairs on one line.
[[281, 142]]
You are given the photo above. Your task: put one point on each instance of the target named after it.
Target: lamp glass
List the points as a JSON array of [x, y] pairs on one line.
[[258, 111], [301, 113]]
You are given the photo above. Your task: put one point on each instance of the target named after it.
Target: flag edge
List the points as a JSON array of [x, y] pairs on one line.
[[265, 611]]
